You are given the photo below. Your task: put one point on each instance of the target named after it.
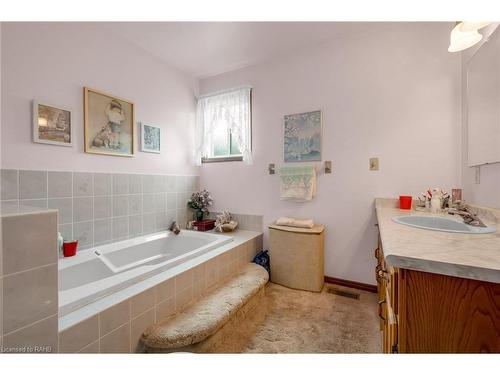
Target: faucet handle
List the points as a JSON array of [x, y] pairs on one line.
[[174, 227]]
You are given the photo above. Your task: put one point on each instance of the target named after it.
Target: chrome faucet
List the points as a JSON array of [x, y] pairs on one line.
[[469, 218], [174, 227]]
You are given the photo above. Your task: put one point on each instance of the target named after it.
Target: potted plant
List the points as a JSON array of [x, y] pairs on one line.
[[199, 202]]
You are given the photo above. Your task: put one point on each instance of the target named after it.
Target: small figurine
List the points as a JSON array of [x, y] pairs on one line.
[[223, 222]]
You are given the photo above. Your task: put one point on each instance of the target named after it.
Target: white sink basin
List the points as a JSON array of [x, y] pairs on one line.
[[442, 224]]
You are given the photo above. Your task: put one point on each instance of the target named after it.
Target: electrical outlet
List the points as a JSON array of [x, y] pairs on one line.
[[373, 164]]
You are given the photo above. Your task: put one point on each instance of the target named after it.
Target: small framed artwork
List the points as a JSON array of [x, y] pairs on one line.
[[109, 124], [52, 125], [302, 137], [150, 138]]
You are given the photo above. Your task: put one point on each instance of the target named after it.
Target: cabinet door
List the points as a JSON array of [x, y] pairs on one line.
[[446, 314], [382, 302], [390, 329]]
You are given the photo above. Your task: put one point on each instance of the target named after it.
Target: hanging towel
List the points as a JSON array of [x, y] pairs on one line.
[[298, 183]]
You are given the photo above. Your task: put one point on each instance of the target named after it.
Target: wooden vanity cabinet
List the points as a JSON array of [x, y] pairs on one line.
[[387, 302], [422, 312]]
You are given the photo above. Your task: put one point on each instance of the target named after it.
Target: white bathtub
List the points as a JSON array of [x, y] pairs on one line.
[[103, 270]]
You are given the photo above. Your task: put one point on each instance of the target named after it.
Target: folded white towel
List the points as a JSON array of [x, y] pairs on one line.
[[298, 183], [298, 223]]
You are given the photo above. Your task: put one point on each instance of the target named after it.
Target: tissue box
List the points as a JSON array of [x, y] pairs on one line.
[[204, 225]]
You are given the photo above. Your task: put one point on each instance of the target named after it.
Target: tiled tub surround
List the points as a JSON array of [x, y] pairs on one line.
[[115, 323], [246, 222], [28, 282], [105, 269], [99, 208]]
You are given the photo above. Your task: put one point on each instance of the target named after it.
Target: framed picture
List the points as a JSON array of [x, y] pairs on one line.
[[52, 125], [302, 137], [109, 124], [150, 138]]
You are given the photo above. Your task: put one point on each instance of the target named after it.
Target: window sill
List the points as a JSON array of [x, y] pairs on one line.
[[222, 159]]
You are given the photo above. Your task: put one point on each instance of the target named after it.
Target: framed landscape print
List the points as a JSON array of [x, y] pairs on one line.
[[109, 124], [52, 125], [150, 138], [302, 137]]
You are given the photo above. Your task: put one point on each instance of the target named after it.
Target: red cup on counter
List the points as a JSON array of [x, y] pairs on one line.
[[405, 202], [69, 248]]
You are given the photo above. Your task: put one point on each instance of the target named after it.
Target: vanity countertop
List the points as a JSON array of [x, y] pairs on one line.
[[471, 256]]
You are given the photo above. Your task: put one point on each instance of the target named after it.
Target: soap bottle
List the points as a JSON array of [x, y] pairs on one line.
[[435, 203], [60, 241]]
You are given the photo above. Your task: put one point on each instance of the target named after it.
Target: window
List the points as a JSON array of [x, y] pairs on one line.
[[223, 127]]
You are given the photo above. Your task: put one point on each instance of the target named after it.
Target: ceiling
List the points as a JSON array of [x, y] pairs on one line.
[[204, 49]]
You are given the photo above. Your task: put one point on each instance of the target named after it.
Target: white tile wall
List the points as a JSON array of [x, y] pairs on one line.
[[98, 208]]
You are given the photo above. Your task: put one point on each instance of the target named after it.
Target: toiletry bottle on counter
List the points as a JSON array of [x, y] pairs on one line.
[[435, 203], [60, 241]]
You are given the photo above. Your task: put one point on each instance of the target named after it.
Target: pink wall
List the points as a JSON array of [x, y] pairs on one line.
[[394, 95], [53, 62]]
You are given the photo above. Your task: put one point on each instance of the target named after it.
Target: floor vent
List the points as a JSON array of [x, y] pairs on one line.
[[343, 293]]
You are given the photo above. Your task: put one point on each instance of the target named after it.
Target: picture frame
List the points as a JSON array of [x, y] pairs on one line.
[[302, 137], [52, 124], [109, 124], [150, 138]]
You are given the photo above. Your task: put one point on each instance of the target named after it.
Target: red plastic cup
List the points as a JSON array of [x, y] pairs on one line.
[[405, 202], [69, 248]]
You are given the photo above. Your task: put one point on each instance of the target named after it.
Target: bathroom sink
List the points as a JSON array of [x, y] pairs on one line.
[[442, 224]]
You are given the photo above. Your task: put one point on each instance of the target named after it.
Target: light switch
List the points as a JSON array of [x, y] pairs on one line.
[[373, 164], [328, 166]]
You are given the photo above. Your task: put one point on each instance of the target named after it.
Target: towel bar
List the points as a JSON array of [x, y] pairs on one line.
[[271, 168]]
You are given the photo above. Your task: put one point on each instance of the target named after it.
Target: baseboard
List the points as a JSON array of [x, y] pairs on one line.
[[351, 284]]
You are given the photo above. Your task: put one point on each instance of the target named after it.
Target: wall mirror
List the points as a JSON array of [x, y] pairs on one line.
[[483, 103]]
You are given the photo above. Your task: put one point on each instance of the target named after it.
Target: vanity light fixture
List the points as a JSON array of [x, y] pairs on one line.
[[467, 26], [465, 35]]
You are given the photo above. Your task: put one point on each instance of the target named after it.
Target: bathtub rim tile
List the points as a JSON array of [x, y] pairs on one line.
[[108, 327], [48, 312], [73, 317], [91, 321], [42, 194], [14, 193], [54, 190]]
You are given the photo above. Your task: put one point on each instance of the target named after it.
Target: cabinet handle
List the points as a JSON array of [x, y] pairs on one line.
[[377, 252], [382, 273], [380, 303]]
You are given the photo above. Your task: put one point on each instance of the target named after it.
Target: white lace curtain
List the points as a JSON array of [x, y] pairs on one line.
[[233, 107]]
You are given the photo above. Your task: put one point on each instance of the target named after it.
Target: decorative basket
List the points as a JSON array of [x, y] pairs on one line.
[[204, 225]]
